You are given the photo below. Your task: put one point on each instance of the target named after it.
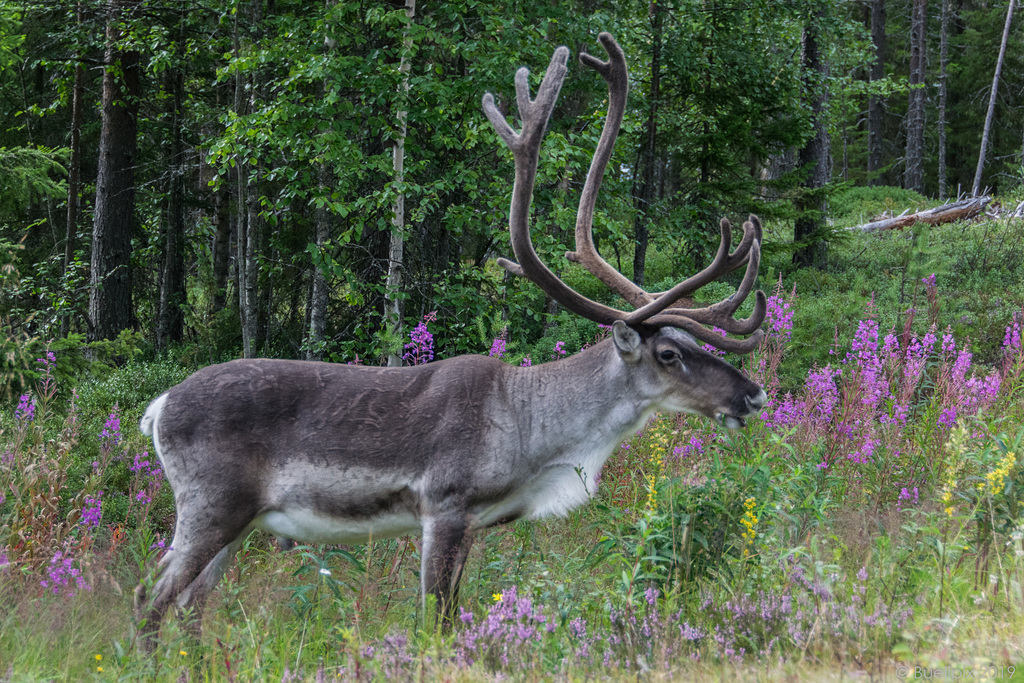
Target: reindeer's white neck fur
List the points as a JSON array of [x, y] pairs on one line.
[[567, 441]]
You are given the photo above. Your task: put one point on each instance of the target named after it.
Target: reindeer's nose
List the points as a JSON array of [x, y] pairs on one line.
[[755, 403]]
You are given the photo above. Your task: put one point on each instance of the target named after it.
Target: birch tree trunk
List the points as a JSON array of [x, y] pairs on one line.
[[913, 177], [392, 298], [992, 101]]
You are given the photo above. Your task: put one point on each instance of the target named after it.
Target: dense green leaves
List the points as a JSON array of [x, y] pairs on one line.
[[297, 105]]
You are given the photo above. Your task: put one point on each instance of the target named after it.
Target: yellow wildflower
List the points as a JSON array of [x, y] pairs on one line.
[[496, 596], [749, 521], [997, 477]]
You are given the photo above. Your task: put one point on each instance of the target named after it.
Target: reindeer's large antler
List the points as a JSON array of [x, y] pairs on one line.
[[660, 309]]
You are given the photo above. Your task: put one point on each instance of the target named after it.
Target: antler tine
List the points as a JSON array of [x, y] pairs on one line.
[[525, 148], [721, 314], [722, 264], [615, 74]]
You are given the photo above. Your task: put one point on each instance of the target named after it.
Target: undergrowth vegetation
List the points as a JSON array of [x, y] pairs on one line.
[[867, 523]]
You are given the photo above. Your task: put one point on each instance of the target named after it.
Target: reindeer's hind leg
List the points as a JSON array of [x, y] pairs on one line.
[[186, 575]]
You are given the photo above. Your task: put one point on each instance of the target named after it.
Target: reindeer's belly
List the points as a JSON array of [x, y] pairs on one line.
[[320, 504], [305, 525]]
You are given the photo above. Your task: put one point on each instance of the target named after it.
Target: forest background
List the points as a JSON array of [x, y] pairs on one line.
[[248, 149], [186, 182]]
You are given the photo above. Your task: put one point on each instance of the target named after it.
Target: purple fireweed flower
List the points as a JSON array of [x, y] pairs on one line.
[[864, 454], [559, 350], [711, 349], [961, 366], [694, 448], [822, 394], [526, 362], [149, 475], [26, 410], [1011, 341], [948, 342], [909, 495], [779, 317], [62, 575], [890, 347], [421, 349], [497, 349], [48, 362], [918, 351], [865, 341], [929, 282], [92, 511], [110, 436]]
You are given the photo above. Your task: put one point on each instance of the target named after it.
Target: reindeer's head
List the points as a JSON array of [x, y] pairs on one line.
[[659, 338], [674, 370]]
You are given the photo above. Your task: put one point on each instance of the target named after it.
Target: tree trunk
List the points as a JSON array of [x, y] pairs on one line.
[[947, 213], [110, 304], [644, 189], [248, 232], [876, 104], [943, 63], [914, 174], [992, 101], [318, 300], [170, 318], [813, 158], [318, 294], [221, 246], [250, 294], [392, 298], [74, 172]]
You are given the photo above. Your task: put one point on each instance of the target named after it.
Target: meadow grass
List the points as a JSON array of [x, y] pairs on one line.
[[867, 525]]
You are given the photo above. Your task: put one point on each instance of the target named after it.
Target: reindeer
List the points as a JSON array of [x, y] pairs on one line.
[[328, 453]]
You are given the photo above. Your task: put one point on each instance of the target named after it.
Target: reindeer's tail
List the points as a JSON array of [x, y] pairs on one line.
[[148, 423]]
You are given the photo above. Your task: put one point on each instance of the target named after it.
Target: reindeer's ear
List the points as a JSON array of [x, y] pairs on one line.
[[627, 342]]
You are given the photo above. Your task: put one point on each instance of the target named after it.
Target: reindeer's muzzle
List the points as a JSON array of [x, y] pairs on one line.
[[743, 406]]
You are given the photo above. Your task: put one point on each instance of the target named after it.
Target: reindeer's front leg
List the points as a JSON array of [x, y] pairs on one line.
[[447, 539]]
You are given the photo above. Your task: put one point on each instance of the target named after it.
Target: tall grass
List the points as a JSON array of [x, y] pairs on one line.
[[870, 518]]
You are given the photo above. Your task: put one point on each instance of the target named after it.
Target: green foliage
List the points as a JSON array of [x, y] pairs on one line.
[[855, 205], [27, 174], [131, 387]]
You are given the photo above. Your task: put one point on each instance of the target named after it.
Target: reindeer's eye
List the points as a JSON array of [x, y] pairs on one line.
[[668, 355]]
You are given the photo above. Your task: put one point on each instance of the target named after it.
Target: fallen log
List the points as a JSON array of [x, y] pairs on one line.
[[947, 213]]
